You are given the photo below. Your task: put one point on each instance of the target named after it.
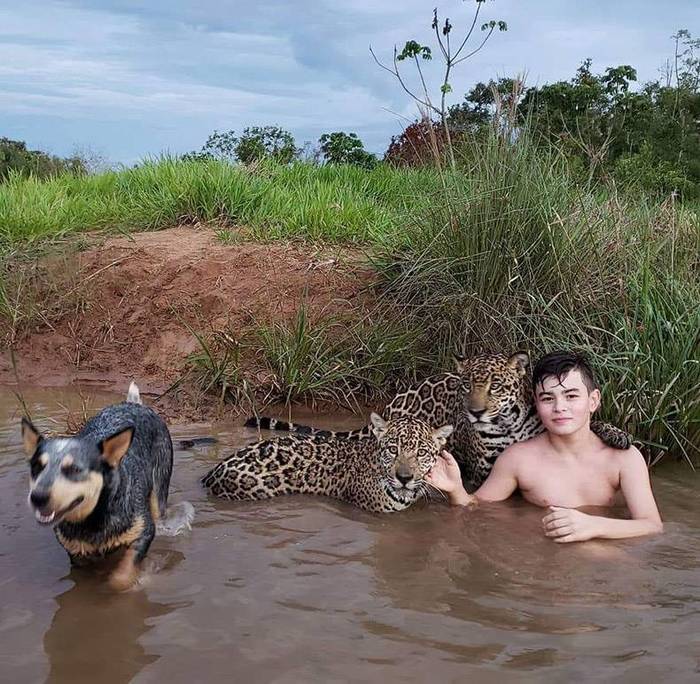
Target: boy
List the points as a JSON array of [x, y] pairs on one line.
[[567, 466]]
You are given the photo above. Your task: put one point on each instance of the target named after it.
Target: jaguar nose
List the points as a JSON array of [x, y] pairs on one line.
[[477, 413], [404, 478]]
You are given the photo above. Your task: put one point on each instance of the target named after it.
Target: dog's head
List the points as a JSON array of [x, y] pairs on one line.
[[68, 473]]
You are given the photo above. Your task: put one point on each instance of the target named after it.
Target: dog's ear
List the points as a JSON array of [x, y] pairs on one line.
[[30, 437], [113, 448]]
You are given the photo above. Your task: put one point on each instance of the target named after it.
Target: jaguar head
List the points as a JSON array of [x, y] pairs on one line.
[[408, 449], [496, 387]]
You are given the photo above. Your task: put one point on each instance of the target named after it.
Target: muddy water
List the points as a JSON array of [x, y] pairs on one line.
[[302, 589]]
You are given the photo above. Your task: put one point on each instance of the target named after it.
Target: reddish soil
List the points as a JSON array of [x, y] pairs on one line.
[[141, 292]]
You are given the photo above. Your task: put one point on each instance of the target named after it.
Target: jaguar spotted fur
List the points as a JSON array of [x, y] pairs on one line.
[[381, 471]]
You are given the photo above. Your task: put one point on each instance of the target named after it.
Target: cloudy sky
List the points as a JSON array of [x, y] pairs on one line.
[[129, 78]]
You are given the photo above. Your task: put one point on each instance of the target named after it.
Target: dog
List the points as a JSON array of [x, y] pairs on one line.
[[104, 488]]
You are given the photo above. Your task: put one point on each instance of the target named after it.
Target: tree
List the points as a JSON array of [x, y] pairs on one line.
[[417, 145], [486, 104], [265, 142], [15, 157], [256, 142], [345, 148], [416, 52]]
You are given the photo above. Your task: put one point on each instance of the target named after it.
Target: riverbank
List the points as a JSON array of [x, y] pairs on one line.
[[141, 307], [309, 285]]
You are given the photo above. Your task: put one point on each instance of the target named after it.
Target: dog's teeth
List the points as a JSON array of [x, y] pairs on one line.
[[45, 518]]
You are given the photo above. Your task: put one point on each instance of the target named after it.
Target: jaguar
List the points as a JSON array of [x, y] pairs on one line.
[[381, 471]]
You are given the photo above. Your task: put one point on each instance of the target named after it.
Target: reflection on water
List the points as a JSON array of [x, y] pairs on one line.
[[93, 630], [304, 589]]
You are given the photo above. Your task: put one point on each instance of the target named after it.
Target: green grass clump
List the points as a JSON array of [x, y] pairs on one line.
[[507, 251], [520, 255], [333, 203]]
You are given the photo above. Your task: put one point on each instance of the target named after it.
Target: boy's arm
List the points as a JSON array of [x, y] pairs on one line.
[[499, 485], [503, 478], [567, 525]]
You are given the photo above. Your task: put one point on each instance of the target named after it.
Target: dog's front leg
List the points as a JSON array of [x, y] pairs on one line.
[[127, 572]]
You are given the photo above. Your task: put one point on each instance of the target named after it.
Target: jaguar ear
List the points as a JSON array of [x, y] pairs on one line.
[[441, 434], [461, 362], [379, 425], [519, 361]]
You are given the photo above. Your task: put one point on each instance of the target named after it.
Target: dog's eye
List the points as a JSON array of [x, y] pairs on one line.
[[71, 470], [36, 467]]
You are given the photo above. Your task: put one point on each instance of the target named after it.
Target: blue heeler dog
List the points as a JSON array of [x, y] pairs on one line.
[[104, 488]]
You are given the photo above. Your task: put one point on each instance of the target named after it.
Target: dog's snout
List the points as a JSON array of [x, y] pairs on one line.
[[39, 499]]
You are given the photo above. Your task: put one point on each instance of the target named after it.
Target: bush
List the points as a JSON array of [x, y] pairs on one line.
[[423, 143], [345, 148], [642, 171], [256, 143]]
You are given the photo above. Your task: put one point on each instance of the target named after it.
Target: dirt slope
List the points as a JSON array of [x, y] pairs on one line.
[[142, 291]]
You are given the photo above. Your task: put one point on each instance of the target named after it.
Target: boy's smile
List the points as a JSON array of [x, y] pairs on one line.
[[565, 406]]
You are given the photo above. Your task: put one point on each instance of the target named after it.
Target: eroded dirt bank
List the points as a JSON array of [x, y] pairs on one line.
[[142, 295]]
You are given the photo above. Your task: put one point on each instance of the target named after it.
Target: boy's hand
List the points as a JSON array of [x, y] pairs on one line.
[[445, 475], [564, 525]]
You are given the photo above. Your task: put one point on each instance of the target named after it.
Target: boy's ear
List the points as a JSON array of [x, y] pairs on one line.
[[113, 448], [378, 425], [594, 399], [30, 437], [519, 361]]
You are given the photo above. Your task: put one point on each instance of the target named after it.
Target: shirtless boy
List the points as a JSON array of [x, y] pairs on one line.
[[567, 466]]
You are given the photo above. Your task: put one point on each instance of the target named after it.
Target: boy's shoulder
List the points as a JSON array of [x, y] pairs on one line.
[[525, 449]]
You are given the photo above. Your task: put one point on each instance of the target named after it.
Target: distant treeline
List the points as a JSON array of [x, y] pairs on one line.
[[646, 139]]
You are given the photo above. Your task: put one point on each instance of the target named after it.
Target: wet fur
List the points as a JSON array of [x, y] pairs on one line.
[[382, 472], [494, 385], [124, 489]]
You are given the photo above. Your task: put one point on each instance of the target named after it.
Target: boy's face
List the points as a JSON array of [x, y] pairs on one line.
[[565, 407]]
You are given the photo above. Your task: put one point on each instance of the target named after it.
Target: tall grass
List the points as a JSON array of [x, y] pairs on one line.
[[520, 255], [347, 362], [334, 204], [508, 251]]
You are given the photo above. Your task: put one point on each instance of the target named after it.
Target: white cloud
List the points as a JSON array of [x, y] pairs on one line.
[[173, 70]]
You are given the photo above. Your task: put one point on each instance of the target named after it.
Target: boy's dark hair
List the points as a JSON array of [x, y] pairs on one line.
[[557, 364]]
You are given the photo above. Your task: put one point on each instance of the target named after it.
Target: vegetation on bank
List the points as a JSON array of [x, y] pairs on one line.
[[510, 251], [332, 203]]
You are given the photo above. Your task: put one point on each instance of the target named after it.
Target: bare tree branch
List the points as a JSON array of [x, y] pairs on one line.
[[471, 30], [397, 75], [473, 52]]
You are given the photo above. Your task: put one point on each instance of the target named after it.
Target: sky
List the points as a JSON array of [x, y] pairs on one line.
[[127, 79]]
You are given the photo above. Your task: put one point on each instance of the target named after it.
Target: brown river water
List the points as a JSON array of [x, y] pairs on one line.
[[303, 589]]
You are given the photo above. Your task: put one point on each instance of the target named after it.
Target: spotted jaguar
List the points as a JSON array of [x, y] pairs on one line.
[[382, 471], [488, 400]]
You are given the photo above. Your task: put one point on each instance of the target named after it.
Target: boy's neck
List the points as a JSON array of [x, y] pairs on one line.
[[575, 444]]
